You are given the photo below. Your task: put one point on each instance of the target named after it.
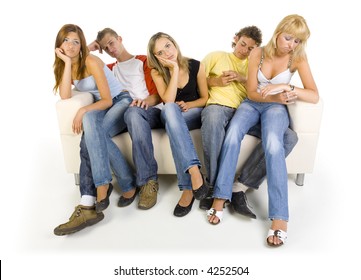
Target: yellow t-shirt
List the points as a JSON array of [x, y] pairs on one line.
[[233, 94]]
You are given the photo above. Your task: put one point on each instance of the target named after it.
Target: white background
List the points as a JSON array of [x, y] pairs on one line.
[[29, 124]]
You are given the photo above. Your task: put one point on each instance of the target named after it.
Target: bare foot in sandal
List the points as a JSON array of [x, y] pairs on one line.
[[214, 215], [277, 235]]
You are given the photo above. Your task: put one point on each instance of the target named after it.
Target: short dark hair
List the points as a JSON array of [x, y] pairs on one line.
[[252, 32]]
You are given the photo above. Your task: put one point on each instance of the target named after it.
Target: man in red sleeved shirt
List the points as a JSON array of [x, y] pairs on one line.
[[140, 118]]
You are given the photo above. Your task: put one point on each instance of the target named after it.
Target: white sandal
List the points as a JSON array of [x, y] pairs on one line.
[[279, 233], [215, 213]]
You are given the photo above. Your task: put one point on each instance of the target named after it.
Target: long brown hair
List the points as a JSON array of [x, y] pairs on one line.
[[59, 64]]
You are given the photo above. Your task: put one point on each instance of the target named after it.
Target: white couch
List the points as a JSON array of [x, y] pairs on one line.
[[305, 120]]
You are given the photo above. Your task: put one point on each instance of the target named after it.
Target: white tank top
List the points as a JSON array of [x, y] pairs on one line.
[[281, 78]]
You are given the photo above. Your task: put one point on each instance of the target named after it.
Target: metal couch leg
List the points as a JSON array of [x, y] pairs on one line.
[[300, 178], [77, 179]]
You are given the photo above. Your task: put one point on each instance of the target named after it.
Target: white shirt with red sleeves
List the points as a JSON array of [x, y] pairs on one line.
[[130, 73]]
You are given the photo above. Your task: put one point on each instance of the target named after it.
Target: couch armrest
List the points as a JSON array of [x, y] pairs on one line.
[[305, 121], [306, 117], [67, 108]]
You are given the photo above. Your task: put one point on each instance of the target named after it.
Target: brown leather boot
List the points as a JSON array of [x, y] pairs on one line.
[[148, 195], [82, 217]]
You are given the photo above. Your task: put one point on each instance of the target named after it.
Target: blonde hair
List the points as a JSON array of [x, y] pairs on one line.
[[154, 63], [59, 64], [296, 26]]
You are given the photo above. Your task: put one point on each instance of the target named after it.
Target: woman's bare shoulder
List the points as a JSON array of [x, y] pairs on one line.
[[256, 52], [93, 60]]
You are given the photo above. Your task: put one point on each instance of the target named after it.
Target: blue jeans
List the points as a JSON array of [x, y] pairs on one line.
[[177, 125], [87, 186], [99, 127], [253, 171], [215, 119], [274, 123], [139, 123]]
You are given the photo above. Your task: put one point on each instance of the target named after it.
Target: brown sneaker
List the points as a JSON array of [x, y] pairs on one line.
[[82, 217], [148, 195]]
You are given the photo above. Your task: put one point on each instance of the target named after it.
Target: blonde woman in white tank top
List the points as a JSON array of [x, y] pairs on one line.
[[269, 91]]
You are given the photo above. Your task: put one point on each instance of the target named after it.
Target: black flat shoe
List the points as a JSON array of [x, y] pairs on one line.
[[239, 204], [122, 202], [104, 203], [206, 203], [201, 192], [181, 211]]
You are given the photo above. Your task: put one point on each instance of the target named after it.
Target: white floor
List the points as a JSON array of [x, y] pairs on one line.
[[158, 230], [319, 232]]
